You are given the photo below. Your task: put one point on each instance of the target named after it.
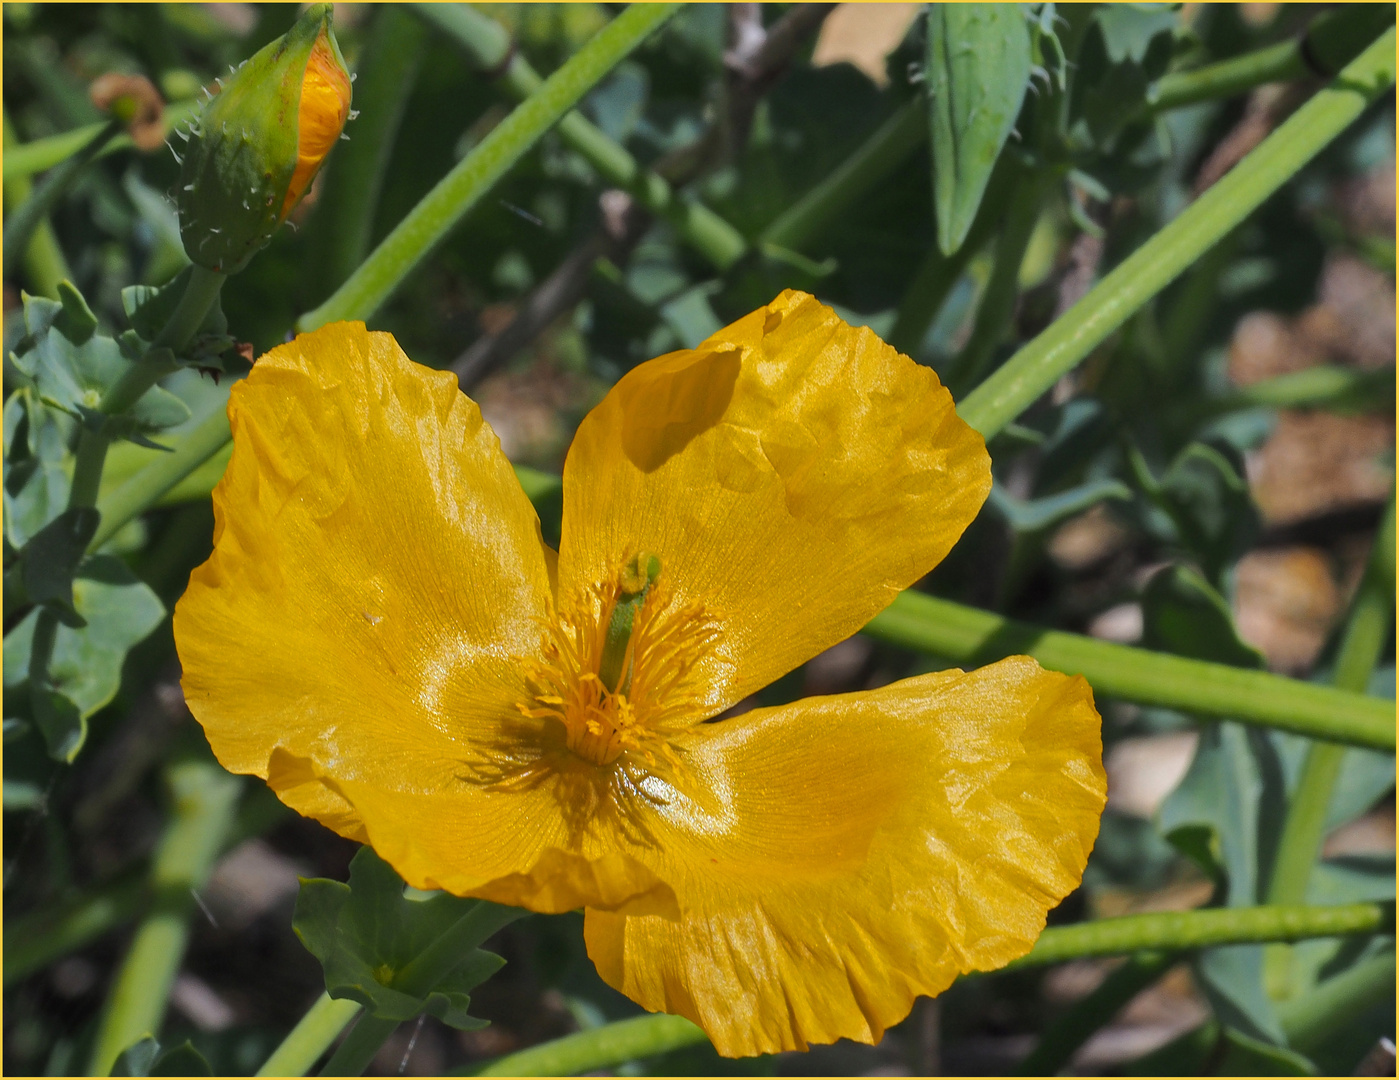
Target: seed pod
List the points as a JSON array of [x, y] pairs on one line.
[[254, 150]]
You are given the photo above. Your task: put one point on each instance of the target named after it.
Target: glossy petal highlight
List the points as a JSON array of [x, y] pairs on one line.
[[835, 858], [792, 473], [377, 574]]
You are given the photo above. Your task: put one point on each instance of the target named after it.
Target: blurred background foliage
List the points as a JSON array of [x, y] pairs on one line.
[[1209, 482]]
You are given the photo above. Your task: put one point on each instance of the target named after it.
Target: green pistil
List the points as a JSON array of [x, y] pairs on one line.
[[615, 667]]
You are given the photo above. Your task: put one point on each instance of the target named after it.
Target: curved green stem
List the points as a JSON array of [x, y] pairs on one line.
[[891, 143], [967, 635], [1331, 41], [1366, 631], [488, 45], [143, 489], [428, 223], [311, 1037], [645, 1036], [201, 291], [204, 798], [28, 216], [1304, 827], [1153, 266]]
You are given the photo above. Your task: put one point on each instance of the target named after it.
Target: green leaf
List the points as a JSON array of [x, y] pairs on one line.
[[86, 667], [1183, 614], [1206, 498], [1129, 29], [182, 1060], [137, 1059], [145, 1058], [75, 378], [1245, 1056], [75, 321], [60, 722], [978, 65], [1231, 978], [51, 560], [36, 448], [366, 932], [1035, 515], [1223, 815]]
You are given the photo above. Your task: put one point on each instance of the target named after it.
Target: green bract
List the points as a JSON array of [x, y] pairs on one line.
[[242, 151]]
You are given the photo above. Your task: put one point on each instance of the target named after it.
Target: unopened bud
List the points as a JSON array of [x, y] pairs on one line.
[[258, 144]]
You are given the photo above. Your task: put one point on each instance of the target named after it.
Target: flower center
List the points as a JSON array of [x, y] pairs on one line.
[[614, 669]]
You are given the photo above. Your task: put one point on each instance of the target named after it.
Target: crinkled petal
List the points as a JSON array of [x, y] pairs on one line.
[[793, 473], [376, 573], [834, 858]]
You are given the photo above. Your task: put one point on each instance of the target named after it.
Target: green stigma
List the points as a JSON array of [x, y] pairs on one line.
[[615, 668]]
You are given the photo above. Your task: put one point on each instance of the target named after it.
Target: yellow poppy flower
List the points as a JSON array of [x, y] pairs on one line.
[[383, 636]]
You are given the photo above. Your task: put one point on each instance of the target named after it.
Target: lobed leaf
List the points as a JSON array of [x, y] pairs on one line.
[[365, 933]]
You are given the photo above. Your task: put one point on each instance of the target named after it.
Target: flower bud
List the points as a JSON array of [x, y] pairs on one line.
[[257, 145]]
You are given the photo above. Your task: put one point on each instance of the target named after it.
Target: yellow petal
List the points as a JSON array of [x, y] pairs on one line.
[[792, 473], [376, 572], [834, 858]]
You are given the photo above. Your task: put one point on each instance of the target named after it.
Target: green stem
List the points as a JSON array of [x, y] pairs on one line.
[[883, 152], [1304, 827], [1323, 386], [967, 635], [1092, 1012], [311, 1037], [20, 227], [359, 1047], [428, 223], [32, 942], [1310, 1019], [144, 489], [600, 1048], [1205, 928], [201, 291], [488, 45], [1331, 41], [204, 798], [43, 261], [993, 314], [417, 979], [43, 154], [344, 219], [645, 1036], [1149, 269]]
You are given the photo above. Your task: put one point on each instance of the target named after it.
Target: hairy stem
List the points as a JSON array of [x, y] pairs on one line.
[[428, 223]]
